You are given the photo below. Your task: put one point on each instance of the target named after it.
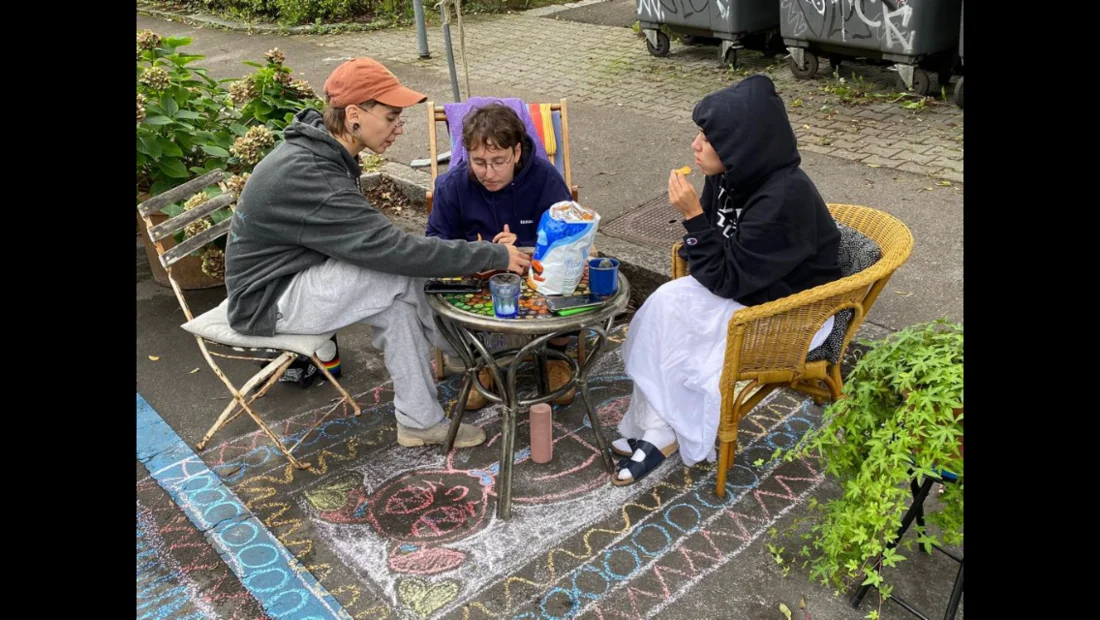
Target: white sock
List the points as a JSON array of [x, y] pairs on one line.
[[621, 444], [662, 437], [327, 351]]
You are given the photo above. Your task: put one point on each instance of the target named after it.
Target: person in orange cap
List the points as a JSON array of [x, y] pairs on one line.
[[308, 253]]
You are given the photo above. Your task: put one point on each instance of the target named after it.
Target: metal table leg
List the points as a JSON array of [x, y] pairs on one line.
[[582, 383], [475, 355]]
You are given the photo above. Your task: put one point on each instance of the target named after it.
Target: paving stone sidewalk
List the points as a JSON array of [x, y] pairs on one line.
[[860, 119]]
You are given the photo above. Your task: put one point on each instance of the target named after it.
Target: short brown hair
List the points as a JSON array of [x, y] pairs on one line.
[[495, 125], [335, 117]]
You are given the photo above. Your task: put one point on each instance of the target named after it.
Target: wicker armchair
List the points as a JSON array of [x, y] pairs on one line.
[[767, 344]]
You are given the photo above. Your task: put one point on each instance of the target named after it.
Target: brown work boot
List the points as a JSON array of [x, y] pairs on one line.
[[475, 400], [558, 373], [468, 435]]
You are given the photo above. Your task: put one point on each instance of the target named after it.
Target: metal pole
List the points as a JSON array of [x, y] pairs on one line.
[[421, 30], [462, 44], [450, 52]]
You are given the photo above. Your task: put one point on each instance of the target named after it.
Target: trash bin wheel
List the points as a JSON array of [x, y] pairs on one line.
[[811, 66], [834, 63], [959, 92], [922, 83], [731, 57], [663, 45]]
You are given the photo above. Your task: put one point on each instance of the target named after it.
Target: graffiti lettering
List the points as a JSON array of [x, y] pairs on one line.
[[652, 10], [893, 32], [862, 16], [887, 21]]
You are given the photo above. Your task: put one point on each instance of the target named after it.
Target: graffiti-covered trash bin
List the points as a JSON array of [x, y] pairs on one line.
[[738, 24], [916, 36]]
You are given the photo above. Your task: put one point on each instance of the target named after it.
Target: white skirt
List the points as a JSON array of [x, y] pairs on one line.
[[674, 353]]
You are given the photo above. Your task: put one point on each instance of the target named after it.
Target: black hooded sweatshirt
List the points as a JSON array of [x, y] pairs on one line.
[[765, 232]]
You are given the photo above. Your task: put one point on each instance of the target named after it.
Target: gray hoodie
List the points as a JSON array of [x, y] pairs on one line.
[[302, 205]]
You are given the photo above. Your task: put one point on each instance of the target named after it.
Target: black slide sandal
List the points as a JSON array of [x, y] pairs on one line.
[[639, 470]]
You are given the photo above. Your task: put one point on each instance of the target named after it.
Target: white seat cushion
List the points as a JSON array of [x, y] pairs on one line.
[[214, 325]]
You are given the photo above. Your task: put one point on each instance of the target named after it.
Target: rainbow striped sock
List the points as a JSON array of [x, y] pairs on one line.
[[333, 367]]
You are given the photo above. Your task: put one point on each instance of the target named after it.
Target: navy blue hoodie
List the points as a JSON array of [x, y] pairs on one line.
[[462, 207], [765, 232]]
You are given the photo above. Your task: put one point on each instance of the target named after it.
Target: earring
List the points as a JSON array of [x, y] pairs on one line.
[[355, 126]]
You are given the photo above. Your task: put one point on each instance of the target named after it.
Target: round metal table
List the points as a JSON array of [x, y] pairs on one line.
[[458, 316]]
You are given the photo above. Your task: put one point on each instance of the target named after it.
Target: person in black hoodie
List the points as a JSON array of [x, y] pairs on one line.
[[760, 232]]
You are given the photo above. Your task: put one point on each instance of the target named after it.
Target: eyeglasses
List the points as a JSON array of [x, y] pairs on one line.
[[397, 124], [496, 165]]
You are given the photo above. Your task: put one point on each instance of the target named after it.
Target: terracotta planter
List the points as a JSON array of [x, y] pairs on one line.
[[187, 271]]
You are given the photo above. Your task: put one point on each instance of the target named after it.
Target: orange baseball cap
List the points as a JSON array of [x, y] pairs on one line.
[[365, 79]]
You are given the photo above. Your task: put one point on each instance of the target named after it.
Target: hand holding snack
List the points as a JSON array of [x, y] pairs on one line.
[[682, 195]]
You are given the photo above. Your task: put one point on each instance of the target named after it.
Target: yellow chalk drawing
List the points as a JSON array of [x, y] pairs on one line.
[[424, 597]]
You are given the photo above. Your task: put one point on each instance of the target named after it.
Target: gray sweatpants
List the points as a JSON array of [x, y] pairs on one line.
[[336, 294]]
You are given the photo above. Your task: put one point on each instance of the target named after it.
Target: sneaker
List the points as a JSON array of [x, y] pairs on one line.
[[468, 435], [302, 372], [475, 400], [559, 372]]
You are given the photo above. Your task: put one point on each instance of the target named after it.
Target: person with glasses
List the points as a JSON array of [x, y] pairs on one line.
[[501, 189], [498, 193], [307, 253]]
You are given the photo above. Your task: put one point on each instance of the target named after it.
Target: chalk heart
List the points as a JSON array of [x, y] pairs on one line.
[[333, 493], [424, 597], [426, 561]]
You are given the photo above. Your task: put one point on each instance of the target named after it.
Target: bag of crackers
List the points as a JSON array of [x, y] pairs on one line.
[[565, 236]]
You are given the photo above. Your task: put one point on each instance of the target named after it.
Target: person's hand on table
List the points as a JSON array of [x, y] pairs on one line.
[[517, 261]]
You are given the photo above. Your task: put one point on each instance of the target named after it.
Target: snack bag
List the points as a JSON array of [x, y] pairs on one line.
[[566, 233]]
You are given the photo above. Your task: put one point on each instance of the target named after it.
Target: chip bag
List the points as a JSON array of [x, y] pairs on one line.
[[565, 236]]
